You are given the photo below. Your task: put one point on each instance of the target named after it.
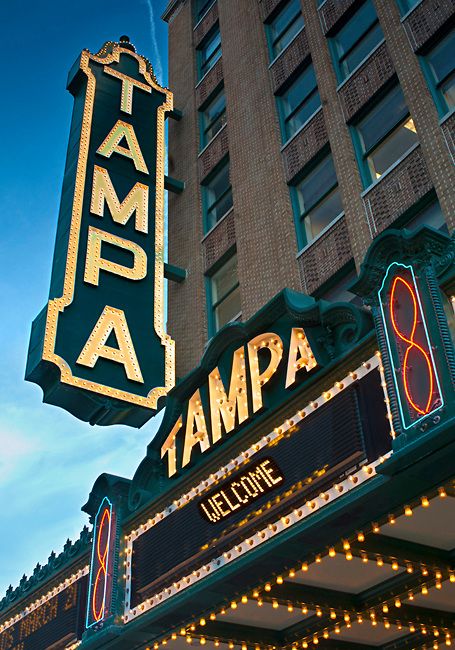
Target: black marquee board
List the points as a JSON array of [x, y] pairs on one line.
[[350, 429]]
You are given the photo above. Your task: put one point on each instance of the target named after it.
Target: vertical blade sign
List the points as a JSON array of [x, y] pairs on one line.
[[99, 349], [414, 370]]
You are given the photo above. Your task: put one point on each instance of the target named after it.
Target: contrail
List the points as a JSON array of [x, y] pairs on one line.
[[158, 68]]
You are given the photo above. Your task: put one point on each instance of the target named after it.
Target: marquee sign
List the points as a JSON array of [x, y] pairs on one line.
[[56, 621], [100, 349], [414, 370], [278, 473]]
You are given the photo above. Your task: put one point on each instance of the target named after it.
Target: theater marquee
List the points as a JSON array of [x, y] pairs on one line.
[[99, 349]]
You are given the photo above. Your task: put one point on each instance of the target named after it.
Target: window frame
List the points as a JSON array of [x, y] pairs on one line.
[[362, 155], [199, 52], [200, 13], [299, 217], [207, 226], [334, 47], [203, 140], [268, 30], [211, 305], [404, 11], [434, 87], [285, 119]]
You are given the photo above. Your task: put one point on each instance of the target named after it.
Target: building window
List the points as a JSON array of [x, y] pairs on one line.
[[209, 52], [282, 29], [431, 215], [213, 117], [224, 295], [440, 66], [355, 40], [405, 6], [298, 102], [339, 291], [201, 8], [318, 200], [217, 195], [384, 135]]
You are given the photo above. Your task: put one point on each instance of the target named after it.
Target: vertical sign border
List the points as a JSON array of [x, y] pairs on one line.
[[90, 586], [389, 349], [56, 305]]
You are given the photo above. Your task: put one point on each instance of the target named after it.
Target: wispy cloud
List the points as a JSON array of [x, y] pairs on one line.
[[157, 65]]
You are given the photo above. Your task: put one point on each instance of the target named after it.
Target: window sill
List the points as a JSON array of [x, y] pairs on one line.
[[203, 16], [209, 232], [278, 56], [208, 72], [390, 169], [323, 232], [322, 4], [211, 140], [300, 129], [362, 62], [408, 13], [446, 116]]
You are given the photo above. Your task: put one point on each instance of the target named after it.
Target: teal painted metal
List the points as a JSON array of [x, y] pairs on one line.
[[333, 330], [173, 185], [174, 273], [99, 349], [430, 253]]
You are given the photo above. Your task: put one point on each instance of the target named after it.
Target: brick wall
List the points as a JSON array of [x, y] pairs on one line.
[[185, 223], [305, 145], [433, 146], [426, 19], [264, 226]]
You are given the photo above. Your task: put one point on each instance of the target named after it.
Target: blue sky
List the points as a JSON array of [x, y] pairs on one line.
[[48, 459]]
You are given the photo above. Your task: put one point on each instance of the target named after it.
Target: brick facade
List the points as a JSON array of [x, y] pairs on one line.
[[365, 82], [261, 223]]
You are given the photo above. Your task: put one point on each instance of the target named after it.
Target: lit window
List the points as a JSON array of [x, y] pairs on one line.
[[318, 200], [213, 117], [224, 295], [385, 135], [217, 195], [440, 63], [209, 52], [286, 24], [202, 6], [406, 5], [355, 40], [299, 101]]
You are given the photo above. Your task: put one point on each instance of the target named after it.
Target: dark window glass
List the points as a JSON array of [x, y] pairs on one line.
[[285, 26], [299, 101], [218, 195], [225, 294], [407, 5], [209, 53], [213, 117], [339, 292], [386, 133], [202, 6], [431, 215], [319, 200], [357, 39], [441, 62]]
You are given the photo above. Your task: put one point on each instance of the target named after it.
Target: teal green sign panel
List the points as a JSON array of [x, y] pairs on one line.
[[99, 348]]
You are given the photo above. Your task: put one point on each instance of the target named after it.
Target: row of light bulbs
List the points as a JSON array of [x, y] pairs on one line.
[[257, 594]]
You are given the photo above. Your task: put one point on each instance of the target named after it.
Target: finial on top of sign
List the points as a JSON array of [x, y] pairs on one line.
[[126, 43]]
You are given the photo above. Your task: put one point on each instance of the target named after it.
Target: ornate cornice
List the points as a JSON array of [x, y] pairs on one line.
[[421, 247], [41, 574]]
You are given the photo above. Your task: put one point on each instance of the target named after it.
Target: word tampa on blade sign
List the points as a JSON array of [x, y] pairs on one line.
[[99, 348]]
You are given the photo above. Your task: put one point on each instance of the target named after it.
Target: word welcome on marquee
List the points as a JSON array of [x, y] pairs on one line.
[[99, 349], [234, 495]]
